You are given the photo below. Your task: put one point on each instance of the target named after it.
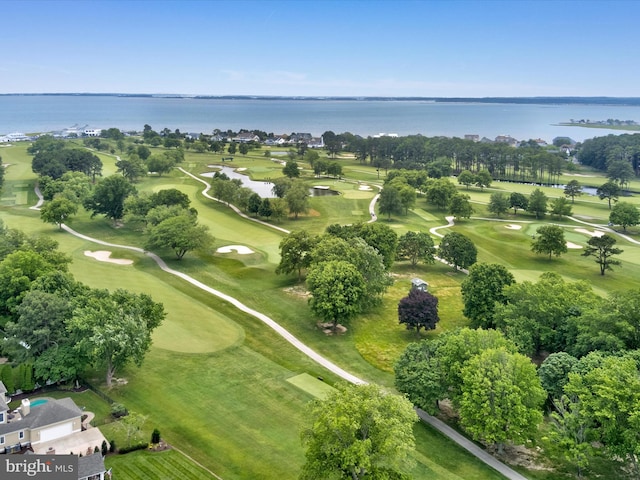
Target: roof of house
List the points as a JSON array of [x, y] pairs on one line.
[[90, 465], [3, 389], [52, 412]]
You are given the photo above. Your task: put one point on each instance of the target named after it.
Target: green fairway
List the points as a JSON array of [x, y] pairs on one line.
[[228, 390]]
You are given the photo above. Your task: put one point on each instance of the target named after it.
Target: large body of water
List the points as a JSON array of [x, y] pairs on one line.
[[44, 113]]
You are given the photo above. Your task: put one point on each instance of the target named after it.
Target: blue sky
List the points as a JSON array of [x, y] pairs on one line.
[[322, 47]]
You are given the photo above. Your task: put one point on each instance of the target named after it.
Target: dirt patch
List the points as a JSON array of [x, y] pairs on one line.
[[521, 456], [298, 291], [159, 447], [327, 328]]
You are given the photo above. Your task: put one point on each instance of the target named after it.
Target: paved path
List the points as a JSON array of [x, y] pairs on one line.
[[289, 337]]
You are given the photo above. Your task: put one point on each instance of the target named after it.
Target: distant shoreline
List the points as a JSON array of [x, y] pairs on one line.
[[629, 128], [617, 101]]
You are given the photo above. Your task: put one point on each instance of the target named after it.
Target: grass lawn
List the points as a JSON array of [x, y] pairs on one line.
[[229, 391], [149, 465]]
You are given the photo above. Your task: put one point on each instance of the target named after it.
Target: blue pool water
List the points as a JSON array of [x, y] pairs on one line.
[[40, 401]]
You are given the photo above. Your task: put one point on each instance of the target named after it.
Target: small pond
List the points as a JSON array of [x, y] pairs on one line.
[[264, 189]]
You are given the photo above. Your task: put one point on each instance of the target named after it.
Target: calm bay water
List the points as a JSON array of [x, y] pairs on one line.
[[28, 114]]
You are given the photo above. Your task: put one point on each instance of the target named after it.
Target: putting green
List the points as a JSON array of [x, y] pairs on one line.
[[311, 385], [189, 327]]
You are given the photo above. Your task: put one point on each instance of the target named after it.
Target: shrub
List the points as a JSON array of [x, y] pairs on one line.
[[112, 446], [118, 410], [133, 448], [155, 436], [105, 448]]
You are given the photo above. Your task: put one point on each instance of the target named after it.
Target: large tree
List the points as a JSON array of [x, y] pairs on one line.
[[624, 214], [501, 399], [482, 288], [602, 248], [359, 432], [498, 203], [390, 202], [416, 247], [549, 240], [460, 206], [418, 310], [610, 191], [458, 250], [336, 289], [537, 203], [291, 169], [297, 198], [295, 250], [109, 196], [517, 201], [58, 210], [560, 207], [180, 233], [573, 189], [440, 192], [115, 329]]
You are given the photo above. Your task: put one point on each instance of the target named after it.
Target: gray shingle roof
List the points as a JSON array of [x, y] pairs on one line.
[[90, 465], [52, 412]]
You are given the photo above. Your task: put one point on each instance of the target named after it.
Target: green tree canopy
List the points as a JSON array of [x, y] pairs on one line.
[[549, 240], [457, 250], [610, 191], [573, 189], [502, 398], [295, 252], [482, 288], [109, 196], [498, 204], [359, 432], [537, 203], [180, 233], [416, 247], [624, 214], [602, 248], [336, 289], [460, 206]]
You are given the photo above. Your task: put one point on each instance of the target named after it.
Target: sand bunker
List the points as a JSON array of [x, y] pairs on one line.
[[573, 245], [513, 227], [241, 169], [364, 187], [105, 256], [239, 249], [595, 233]]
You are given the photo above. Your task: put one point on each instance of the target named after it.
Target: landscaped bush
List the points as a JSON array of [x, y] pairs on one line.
[[118, 410], [133, 448], [155, 436]]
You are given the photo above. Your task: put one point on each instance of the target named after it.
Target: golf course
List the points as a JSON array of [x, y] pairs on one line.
[[227, 392]]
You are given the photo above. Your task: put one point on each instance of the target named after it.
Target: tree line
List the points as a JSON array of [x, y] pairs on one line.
[[60, 326]]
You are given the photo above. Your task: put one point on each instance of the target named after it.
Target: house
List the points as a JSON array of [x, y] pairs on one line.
[[472, 138], [92, 132], [246, 137], [508, 139], [45, 425], [91, 467], [300, 138], [316, 142]]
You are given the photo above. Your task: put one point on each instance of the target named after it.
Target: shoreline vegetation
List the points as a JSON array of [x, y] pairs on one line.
[[617, 101], [610, 124]]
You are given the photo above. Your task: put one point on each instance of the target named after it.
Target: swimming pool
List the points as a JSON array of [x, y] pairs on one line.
[[39, 401]]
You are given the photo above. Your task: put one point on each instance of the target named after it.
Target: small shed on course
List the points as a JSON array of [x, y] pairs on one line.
[[419, 284]]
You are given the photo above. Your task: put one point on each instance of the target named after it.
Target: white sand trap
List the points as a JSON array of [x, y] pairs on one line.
[[239, 249], [105, 256], [573, 245], [364, 187], [321, 187], [241, 169], [513, 227], [595, 233]]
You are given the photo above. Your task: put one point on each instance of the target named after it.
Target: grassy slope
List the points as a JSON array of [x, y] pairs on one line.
[[202, 395]]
